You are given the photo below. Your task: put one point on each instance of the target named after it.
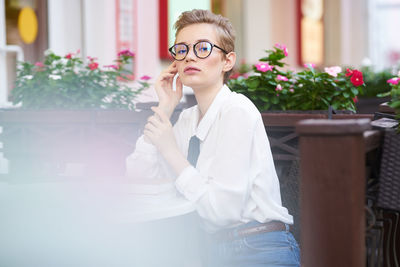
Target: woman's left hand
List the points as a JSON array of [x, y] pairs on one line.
[[159, 131]]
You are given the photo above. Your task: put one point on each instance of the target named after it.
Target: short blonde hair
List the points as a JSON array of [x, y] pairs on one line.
[[225, 31]]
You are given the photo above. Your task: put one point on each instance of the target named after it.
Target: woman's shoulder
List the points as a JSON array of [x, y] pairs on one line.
[[239, 102]]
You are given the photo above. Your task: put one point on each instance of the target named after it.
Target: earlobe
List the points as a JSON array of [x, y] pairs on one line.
[[230, 61]]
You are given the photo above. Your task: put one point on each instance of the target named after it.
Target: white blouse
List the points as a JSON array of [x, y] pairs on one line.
[[235, 180]]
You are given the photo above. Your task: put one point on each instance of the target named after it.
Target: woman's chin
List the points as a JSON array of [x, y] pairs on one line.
[[190, 82]]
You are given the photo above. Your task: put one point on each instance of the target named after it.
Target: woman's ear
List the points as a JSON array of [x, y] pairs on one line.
[[230, 60]]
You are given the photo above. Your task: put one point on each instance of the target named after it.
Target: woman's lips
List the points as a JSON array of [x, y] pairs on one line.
[[190, 70]]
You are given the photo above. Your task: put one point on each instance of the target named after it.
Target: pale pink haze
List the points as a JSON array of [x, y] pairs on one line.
[[333, 71], [309, 65], [291, 90], [278, 87], [145, 78], [39, 64], [394, 80], [283, 48], [264, 67], [281, 78]]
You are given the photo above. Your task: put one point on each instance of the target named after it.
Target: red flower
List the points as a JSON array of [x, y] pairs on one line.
[[68, 56], [355, 99], [357, 78], [93, 65], [349, 72]]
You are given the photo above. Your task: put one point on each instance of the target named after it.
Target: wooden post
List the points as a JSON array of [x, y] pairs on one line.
[[332, 155]]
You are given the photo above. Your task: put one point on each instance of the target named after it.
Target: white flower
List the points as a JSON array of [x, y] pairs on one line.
[[54, 77], [333, 71], [28, 77], [366, 62], [48, 52]]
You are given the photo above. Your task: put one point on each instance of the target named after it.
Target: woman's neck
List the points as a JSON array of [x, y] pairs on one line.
[[205, 97]]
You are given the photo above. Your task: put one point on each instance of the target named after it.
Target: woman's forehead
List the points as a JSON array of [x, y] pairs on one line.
[[196, 32]]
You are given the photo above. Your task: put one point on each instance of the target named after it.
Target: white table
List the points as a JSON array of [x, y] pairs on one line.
[[93, 224]]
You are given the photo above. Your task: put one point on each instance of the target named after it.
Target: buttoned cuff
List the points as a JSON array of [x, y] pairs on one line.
[[191, 184]]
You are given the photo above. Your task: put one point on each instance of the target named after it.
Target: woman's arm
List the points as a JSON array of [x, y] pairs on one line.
[[145, 161]]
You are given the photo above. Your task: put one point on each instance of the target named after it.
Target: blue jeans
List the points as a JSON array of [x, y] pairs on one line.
[[270, 249]]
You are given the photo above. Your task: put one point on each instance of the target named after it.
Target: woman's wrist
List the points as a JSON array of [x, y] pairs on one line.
[[168, 109]]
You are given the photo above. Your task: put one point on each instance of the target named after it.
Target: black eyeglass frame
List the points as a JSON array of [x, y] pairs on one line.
[[187, 49]]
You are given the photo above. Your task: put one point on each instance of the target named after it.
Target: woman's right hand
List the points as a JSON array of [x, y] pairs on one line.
[[168, 98]]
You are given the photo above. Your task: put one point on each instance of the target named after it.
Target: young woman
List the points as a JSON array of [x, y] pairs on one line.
[[218, 150]]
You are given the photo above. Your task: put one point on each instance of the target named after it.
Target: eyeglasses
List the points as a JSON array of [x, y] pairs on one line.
[[201, 49]]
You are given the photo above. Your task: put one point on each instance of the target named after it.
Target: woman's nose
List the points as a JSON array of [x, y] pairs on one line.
[[190, 55]]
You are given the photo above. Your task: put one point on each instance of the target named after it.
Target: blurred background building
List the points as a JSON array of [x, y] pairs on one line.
[[340, 32]]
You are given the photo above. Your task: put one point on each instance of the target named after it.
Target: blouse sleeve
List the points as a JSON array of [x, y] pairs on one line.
[[147, 163], [221, 193]]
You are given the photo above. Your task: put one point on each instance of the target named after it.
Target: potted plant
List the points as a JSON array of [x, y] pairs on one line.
[[271, 87], [72, 111]]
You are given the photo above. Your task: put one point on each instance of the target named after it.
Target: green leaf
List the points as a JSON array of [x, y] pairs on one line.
[[354, 91]]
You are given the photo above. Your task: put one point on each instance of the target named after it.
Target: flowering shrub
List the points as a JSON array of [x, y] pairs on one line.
[[394, 93], [273, 88], [69, 82]]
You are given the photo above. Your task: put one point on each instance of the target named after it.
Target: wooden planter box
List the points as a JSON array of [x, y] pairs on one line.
[[41, 143]]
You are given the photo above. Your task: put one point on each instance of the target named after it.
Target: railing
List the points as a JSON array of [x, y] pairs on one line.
[[284, 143], [342, 224]]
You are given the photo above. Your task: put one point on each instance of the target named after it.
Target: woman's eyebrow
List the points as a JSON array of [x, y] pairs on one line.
[[198, 40]]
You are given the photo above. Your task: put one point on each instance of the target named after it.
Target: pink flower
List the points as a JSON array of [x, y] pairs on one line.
[[93, 65], [355, 99], [333, 71], [145, 78], [281, 78], [277, 94], [278, 87], [91, 58], [394, 80], [291, 90], [309, 65], [111, 66], [126, 52], [39, 64], [283, 48], [264, 67]]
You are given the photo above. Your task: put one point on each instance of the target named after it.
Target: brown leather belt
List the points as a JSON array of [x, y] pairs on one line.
[[246, 231]]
